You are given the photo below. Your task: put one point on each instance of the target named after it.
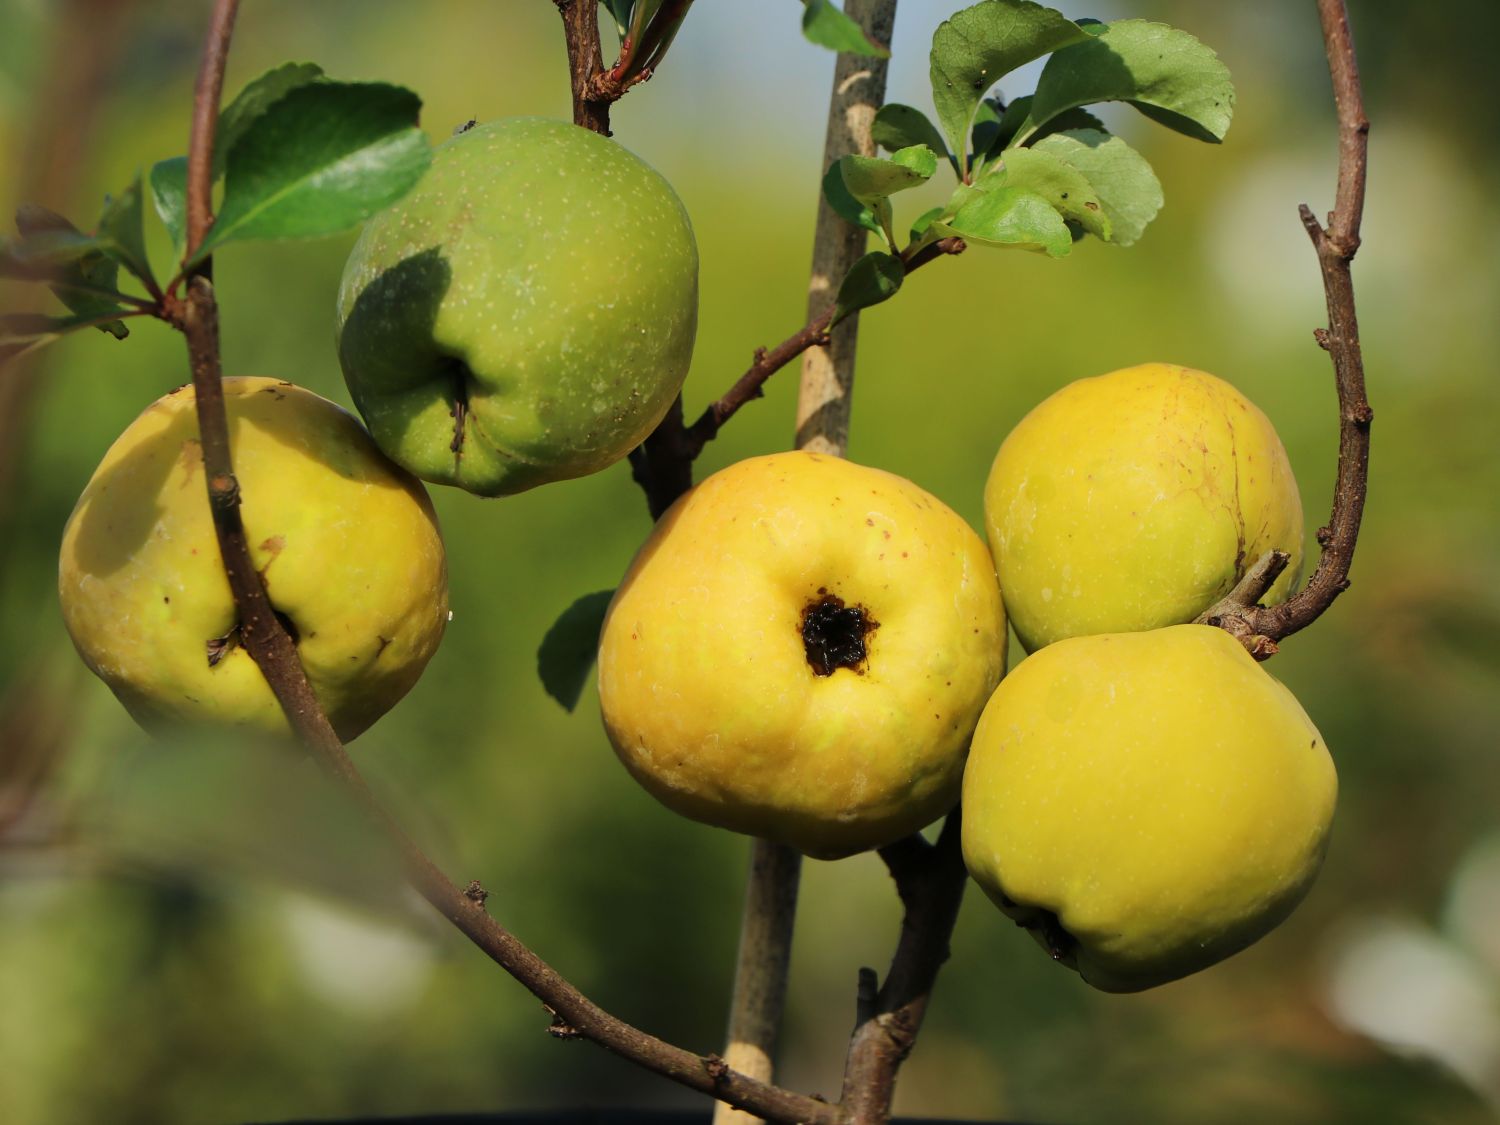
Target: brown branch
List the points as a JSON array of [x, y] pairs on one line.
[[276, 656], [930, 880], [585, 64], [1336, 245]]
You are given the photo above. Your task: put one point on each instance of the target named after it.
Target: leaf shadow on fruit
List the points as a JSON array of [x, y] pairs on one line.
[[120, 509], [387, 338]]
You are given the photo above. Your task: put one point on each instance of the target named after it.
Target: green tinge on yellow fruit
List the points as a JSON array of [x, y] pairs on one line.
[[705, 682], [346, 543], [1136, 500], [526, 314], [1147, 804]]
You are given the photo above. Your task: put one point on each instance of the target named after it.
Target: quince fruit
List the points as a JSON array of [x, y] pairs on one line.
[[1146, 804], [800, 651], [1136, 500], [525, 314], [346, 543]]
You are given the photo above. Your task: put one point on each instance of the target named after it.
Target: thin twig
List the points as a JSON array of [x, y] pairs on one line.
[[663, 465], [1336, 245]]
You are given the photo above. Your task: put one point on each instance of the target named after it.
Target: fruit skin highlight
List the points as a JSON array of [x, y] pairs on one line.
[[525, 314], [1146, 804], [707, 689], [346, 542], [1136, 500]]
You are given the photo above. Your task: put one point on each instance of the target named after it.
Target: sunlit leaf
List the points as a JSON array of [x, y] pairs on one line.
[[1012, 217], [1165, 73], [257, 96], [322, 159], [975, 48], [1128, 189]]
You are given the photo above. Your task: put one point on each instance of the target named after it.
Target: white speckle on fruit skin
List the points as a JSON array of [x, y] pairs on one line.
[[1046, 593]]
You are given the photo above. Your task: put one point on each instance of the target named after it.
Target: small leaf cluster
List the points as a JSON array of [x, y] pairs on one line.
[[298, 156], [1037, 172]]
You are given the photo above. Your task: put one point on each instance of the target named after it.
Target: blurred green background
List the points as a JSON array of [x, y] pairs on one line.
[[200, 933]]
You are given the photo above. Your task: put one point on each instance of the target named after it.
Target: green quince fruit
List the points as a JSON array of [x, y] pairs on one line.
[[526, 314]]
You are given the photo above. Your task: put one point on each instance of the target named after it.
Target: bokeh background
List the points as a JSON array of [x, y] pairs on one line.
[[200, 933]]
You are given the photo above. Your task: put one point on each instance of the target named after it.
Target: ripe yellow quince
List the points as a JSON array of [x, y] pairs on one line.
[[800, 651], [346, 542], [1136, 500], [1146, 804]]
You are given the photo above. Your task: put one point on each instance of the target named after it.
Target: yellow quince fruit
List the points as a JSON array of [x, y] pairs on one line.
[[346, 543], [1136, 500], [800, 651], [1146, 804]]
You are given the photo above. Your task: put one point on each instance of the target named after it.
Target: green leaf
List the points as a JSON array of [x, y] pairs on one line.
[[1167, 74], [988, 118], [871, 179], [322, 159], [824, 24], [568, 651], [898, 126], [1014, 117], [1127, 187], [257, 97], [978, 46], [845, 205], [168, 179], [872, 279], [1063, 186], [122, 232], [619, 11], [74, 264], [1011, 217], [24, 332], [922, 222]]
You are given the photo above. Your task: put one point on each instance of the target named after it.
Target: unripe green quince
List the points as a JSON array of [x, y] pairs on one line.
[[800, 651], [1146, 804], [345, 541], [1136, 500], [526, 314]]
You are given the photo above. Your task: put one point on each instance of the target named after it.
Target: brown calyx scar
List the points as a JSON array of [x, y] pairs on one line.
[[835, 635]]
